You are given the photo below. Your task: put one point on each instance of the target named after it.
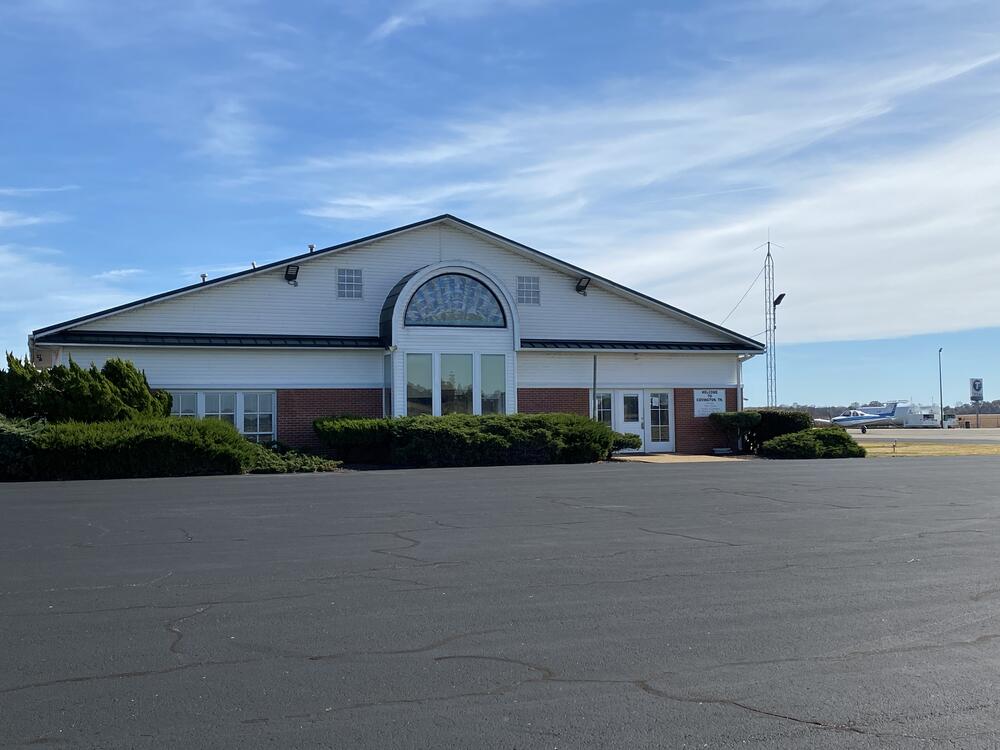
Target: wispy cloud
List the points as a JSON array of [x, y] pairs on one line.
[[394, 23], [229, 130], [39, 291], [118, 274], [419, 12], [19, 192], [11, 219]]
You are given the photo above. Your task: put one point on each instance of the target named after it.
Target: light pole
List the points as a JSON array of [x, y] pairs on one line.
[[940, 389]]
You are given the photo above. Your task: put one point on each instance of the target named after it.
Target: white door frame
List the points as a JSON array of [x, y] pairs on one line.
[[644, 427], [659, 446]]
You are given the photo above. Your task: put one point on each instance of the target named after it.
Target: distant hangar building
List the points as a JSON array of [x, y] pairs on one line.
[[436, 317]]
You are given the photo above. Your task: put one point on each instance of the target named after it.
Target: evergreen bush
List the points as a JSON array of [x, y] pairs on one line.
[[824, 442], [147, 447], [736, 426], [776, 422], [467, 440]]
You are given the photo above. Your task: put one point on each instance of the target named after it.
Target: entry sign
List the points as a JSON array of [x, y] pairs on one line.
[[709, 401], [975, 389]]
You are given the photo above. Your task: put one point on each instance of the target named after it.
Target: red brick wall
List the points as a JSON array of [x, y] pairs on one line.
[[695, 434], [297, 408], [569, 400]]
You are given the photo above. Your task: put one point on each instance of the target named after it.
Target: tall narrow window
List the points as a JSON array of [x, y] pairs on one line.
[[221, 405], [528, 290], [456, 384], [659, 417], [183, 404], [603, 403], [349, 283], [419, 384], [387, 385], [258, 417], [493, 378]]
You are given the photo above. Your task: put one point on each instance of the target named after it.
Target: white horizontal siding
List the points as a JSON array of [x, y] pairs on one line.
[[265, 303], [557, 369], [564, 313], [242, 368]]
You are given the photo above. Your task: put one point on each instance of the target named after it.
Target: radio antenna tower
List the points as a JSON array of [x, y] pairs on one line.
[[770, 304], [770, 320]]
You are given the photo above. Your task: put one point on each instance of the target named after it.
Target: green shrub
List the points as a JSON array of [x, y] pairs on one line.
[[18, 438], [776, 422], [736, 425], [835, 442], [355, 439], [71, 393], [626, 441], [467, 440], [165, 446], [825, 442]]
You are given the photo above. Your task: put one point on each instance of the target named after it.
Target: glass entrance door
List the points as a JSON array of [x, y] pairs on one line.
[[633, 418], [659, 406]]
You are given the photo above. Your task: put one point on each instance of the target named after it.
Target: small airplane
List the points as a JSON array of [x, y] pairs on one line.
[[868, 416]]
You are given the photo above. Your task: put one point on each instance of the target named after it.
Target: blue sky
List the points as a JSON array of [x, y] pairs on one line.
[[655, 142]]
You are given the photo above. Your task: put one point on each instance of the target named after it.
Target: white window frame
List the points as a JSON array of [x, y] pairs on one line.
[[477, 379], [529, 290], [239, 410], [357, 279]]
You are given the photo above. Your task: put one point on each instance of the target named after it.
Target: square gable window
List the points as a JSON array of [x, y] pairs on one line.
[[528, 290], [349, 283]]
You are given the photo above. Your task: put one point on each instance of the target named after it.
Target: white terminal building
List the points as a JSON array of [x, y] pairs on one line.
[[436, 317]]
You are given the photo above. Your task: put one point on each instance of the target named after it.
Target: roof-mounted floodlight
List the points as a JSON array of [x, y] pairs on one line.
[[292, 274], [582, 284]]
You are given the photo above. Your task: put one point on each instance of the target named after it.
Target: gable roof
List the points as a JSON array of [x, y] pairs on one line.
[[749, 344]]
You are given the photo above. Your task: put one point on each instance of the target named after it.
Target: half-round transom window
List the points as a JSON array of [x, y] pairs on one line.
[[454, 299]]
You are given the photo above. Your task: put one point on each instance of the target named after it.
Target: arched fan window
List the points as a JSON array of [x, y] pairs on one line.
[[454, 299]]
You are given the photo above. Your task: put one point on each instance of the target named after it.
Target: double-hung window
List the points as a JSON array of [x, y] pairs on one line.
[[183, 404], [258, 416], [603, 406], [221, 405], [252, 413]]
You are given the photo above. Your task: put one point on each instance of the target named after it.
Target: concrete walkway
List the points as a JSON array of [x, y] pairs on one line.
[[677, 458]]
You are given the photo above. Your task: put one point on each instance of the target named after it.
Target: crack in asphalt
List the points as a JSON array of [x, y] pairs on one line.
[[400, 652], [135, 607], [175, 631], [694, 538], [603, 508], [647, 688], [128, 675]]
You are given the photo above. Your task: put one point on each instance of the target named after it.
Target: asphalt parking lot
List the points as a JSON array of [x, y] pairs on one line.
[[750, 604]]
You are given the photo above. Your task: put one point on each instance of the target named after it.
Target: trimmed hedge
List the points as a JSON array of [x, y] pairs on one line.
[[776, 422], [736, 425], [467, 440], [823, 442], [138, 448]]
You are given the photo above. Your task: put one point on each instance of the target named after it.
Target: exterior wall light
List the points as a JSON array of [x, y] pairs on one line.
[[582, 284], [292, 274]]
